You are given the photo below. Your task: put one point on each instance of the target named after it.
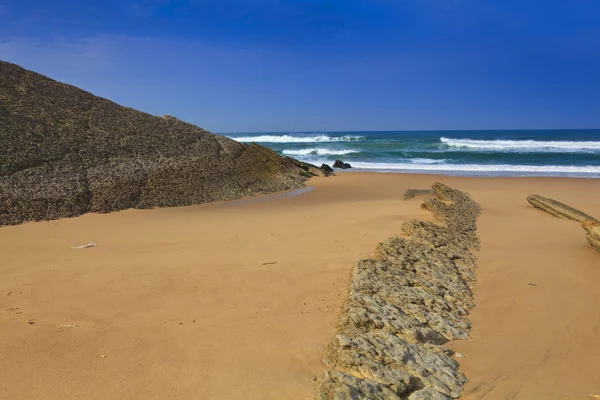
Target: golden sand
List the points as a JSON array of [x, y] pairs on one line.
[[224, 301]]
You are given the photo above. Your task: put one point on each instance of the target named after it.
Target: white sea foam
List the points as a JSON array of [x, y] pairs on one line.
[[523, 145], [427, 161], [297, 139], [318, 152], [482, 168]]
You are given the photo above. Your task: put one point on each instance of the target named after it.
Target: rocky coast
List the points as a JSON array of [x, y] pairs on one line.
[[239, 300]]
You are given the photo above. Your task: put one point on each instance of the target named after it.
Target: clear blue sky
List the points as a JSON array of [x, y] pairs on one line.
[[275, 65]]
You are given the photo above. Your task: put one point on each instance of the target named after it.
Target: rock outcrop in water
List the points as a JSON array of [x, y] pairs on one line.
[[65, 152], [341, 165], [403, 305]]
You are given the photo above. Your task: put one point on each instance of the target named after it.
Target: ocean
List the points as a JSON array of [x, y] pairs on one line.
[[571, 153]]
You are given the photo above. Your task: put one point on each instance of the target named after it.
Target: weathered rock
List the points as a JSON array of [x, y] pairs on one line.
[[392, 362], [312, 170], [340, 164], [592, 229], [427, 394], [558, 209], [54, 189], [336, 385], [64, 152], [403, 305], [561, 210], [411, 193], [326, 168]]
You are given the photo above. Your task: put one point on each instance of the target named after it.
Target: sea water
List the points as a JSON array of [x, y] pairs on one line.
[[573, 153]]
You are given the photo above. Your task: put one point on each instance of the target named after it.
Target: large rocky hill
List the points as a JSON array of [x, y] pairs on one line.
[[65, 152]]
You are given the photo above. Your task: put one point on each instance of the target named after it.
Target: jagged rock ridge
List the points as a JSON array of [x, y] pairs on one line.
[[402, 306], [65, 152]]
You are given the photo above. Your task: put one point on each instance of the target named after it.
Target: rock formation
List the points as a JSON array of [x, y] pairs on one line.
[[560, 210], [311, 170], [592, 229], [410, 193], [557, 208], [341, 165], [402, 306], [326, 168], [65, 152]]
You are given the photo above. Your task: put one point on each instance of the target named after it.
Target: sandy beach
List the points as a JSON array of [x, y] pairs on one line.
[[238, 300]]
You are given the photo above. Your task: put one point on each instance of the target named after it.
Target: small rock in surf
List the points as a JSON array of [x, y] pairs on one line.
[[340, 164]]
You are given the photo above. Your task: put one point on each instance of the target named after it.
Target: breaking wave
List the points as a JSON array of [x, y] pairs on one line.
[[318, 152], [427, 161], [483, 168], [523, 145]]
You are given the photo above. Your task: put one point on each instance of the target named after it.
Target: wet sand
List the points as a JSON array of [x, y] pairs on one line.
[[238, 301]]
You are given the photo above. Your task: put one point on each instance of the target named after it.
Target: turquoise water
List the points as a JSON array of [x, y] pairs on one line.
[[500, 153]]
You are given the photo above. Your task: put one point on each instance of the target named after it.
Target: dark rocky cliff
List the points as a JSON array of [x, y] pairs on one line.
[[65, 152]]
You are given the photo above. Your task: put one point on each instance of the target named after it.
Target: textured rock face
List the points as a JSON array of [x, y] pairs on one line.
[[411, 193], [64, 152], [326, 168], [312, 170], [341, 165], [592, 229], [403, 305], [557, 208]]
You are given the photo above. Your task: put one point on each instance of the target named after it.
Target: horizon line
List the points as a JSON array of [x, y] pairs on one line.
[[407, 130]]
